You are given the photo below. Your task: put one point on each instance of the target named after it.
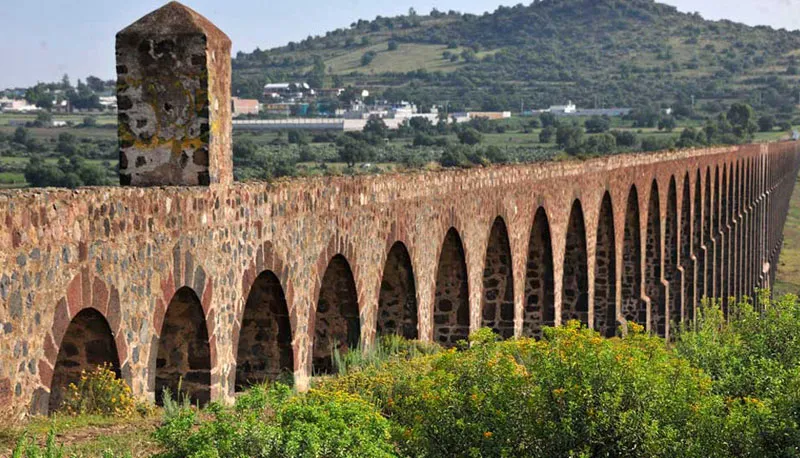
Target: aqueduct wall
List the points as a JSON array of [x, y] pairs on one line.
[[229, 284]]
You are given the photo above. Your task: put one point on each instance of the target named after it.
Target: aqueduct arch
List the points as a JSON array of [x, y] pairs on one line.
[[539, 303], [183, 364], [397, 303], [497, 308], [451, 304]]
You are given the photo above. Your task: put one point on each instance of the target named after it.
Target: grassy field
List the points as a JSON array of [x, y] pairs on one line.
[[87, 436], [75, 118], [406, 58], [788, 280]]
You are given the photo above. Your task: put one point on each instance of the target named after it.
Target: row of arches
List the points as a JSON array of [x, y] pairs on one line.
[[664, 271]]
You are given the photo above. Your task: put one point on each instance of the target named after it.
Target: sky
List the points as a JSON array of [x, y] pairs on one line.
[[40, 40]]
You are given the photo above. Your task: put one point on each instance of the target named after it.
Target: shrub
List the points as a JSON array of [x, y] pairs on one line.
[[99, 392], [269, 422]]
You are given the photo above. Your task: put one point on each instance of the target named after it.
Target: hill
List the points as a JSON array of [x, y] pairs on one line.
[[594, 52]]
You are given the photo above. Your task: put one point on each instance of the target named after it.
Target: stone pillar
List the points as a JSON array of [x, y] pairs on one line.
[[173, 94]]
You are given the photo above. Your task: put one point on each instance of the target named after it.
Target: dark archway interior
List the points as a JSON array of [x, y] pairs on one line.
[[686, 253], [575, 291], [671, 257], [451, 304], [265, 338], [633, 307], [397, 302], [184, 357], [498, 283], [605, 270], [653, 287], [539, 284], [337, 323], [87, 344]]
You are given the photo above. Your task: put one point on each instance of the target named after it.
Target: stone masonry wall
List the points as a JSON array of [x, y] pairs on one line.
[[126, 253]]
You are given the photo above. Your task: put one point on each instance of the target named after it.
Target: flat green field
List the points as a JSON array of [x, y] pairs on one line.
[[788, 280], [75, 118]]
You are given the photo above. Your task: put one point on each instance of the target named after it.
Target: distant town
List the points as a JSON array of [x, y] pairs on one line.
[[285, 106]]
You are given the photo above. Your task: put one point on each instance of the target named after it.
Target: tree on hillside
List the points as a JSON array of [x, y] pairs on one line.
[[742, 118], [766, 123]]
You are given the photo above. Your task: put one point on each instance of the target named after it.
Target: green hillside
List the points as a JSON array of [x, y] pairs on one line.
[[594, 52]]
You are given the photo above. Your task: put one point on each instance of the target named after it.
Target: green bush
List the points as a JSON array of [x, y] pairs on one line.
[[271, 423]]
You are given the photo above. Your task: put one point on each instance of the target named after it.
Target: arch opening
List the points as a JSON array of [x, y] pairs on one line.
[[575, 284], [451, 304], [697, 241], [265, 338], [687, 295], [605, 272], [539, 284], [337, 323], [184, 355], [397, 301], [653, 286], [633, 307], [87, 344], [671, 252], [708, 261], [497, 308]]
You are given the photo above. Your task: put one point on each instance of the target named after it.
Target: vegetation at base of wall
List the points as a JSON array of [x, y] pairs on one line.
[[99, 392], [729, 385]]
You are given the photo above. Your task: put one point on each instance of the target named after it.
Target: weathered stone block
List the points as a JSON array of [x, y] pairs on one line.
[[173, 94]]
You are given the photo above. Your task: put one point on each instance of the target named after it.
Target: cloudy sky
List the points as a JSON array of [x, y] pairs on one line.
[[43, 39]]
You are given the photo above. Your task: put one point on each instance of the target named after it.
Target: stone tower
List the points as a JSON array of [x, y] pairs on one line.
[[173, 94]]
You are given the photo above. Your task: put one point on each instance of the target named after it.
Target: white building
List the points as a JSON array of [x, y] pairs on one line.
[[16, 105], [565, 109]]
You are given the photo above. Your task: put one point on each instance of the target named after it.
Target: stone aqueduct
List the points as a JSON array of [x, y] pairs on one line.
[[227, 284]]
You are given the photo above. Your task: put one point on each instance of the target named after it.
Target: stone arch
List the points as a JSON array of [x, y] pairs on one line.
[[697, 241], [715, 234], [497, 304], [184, 354], [575, 284], [722, 255], [634, 309], [84, 292], [653, 286], [708, 255], [337, 323], [451, 303], [397, 300], [539, 284], [686, 303], [87, 344], [671, 310], [605, 276], [264, 345]]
